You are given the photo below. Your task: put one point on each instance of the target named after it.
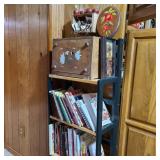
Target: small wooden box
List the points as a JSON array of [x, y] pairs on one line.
[[76, 57]]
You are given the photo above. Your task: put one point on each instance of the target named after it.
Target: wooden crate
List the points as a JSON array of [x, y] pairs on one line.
[[76, 57]]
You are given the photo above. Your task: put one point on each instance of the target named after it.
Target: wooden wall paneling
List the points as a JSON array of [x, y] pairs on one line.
[[68, 14], [43, 137], [23, 76], [7, 87], [13, 78], [35, 78], [55, 23], [26, 72]]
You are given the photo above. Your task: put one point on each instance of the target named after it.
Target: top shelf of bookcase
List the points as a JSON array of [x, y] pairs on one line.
[[93, 81]]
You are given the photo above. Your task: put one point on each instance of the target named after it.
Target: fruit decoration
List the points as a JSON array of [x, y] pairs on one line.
[[108, 21]]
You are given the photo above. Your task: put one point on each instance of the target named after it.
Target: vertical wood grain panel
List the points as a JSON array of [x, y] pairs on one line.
[[44, 68], [23, 74], [138, 101], [13, 73], [26, 72], [7, 86], [56, 23], [143, 96], [35, 78], [68, 14]]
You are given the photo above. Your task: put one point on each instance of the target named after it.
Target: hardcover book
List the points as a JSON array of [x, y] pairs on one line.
[[51, 139]]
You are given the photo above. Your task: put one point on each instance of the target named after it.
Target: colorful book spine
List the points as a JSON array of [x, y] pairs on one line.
[[82, 114], [66, 108], [57, 105], [86, 99], [73, 101], [74, 110], [62, 107], [85, 112], [69, 105], [105, 113]]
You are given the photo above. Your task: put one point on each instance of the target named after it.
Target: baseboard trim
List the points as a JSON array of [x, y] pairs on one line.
[[10, 149]]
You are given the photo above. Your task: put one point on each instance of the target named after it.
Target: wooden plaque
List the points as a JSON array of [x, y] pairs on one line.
[[108, 22]]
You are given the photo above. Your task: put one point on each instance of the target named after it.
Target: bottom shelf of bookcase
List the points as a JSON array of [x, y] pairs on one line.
[[105, 128], [73, 126]]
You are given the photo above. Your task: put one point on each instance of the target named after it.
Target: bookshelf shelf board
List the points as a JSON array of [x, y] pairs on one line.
[[93, 81], [74, 126]]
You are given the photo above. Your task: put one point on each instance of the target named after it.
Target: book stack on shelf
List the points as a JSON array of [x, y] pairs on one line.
[[79, 109], [64, 141]]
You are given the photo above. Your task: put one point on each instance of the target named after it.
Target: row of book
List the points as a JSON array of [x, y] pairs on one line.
[[151, 23], [68, 142], [77, 108]]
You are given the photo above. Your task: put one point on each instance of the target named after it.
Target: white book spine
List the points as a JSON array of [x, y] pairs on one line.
[[85, 111], [51, 139], [70, 146], [75, 142], [78, 145]]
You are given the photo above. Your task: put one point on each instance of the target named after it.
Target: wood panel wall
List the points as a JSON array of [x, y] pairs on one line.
[[26, 72], [61, 26], [56, 22]]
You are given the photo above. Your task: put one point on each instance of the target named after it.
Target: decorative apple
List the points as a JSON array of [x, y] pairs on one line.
[[106, 27], [108, 17]]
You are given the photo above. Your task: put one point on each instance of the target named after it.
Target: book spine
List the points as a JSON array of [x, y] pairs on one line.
[[73, 101], [51, 139], [55, 135], [73, 110], [61, 141], [87, 99], [70, 145], [78, 145], [67, 110], [83, 116], [85, 111], [57, 106], [75, 142], [66, 144], [62, 108], [105, 116], [58, 141]]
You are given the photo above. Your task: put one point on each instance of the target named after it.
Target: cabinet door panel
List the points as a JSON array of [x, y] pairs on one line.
[[138, 104], [140, 143], [143, 92]]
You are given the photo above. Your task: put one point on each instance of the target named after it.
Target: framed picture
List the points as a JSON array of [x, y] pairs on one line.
[[107, 57]]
